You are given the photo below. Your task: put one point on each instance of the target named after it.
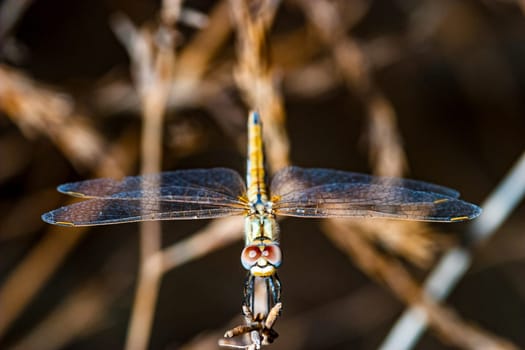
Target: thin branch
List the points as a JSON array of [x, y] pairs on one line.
[[191, 65], [386, 152], [39, 110], [219, 233], [453, 265], [152, 56], [390, 272], [29, 276], [369, 302], [84, 309], [255, 77]]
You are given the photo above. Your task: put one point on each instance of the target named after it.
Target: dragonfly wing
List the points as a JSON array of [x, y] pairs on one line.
[[182, 194], [204, 186], [112, 211], [373, 200], [296, 179]]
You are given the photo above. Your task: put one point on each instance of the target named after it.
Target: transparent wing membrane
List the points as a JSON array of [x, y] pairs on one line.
[[182, 194], [452, 211], [331, 193], [113, 211], [212, 193], [194, 185], [294, 179]]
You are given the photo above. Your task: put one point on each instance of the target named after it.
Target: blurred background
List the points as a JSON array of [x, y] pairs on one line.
[[432, 90]]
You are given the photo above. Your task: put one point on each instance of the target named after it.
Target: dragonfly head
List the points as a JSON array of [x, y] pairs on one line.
[[262, 259]]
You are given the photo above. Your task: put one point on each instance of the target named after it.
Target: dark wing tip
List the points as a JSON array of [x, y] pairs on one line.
[[456, 210], [66, 189], [475, 211], [49, 218]]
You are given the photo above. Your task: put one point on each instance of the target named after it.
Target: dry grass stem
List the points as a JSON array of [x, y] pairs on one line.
[[39, 110], [195, 58], [258, 326], [79, 311], [28, 278], [255, 77], [449, 325], [415, 241], [152, 56], [307, 76], [219, 233], [192, 62], [85, 309], [409, 239], [386, 152], [295, 331], [455, 263], [92, 299]]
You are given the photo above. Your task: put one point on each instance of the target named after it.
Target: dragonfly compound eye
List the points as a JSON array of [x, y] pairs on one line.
[[250, 255], [273, 254]]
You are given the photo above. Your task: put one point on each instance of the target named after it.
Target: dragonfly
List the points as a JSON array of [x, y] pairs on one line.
[[293, 191]]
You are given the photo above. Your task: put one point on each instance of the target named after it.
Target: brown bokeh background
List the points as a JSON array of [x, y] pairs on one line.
[[454, 73]]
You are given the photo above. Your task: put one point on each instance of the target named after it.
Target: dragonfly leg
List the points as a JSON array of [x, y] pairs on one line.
[[274, 289], [258, 325], [267, 332], [249, 293], [260, 328], [273, 285]]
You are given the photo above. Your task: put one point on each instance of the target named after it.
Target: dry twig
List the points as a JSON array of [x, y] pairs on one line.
[[84, 309], [192, 62], [152, 55], [390, 272], [497, 207], [369, 303], [39, 110], [386, 152], [255, 77], [385, 145]]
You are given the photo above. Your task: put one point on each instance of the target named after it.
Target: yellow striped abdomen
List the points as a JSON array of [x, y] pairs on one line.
[[255, 172]]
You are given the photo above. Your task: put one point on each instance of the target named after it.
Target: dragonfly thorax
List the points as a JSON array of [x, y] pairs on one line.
[[260, 227], [261, 206]]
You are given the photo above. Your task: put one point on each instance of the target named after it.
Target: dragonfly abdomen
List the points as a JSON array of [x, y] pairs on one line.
[[255, 174]]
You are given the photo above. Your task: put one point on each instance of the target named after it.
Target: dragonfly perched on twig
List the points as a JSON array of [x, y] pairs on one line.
[[293, 191]]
